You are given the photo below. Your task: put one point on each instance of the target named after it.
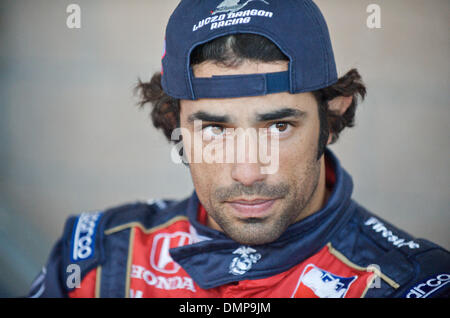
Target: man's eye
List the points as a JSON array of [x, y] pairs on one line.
[[279, 128], [213, 131]]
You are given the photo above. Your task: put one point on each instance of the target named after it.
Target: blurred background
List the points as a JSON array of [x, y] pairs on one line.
[[73, 140]]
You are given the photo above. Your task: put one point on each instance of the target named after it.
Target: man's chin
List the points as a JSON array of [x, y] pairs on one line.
[[253, 231], [254, 241]]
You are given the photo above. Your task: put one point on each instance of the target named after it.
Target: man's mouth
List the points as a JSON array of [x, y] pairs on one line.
[[252, 208]]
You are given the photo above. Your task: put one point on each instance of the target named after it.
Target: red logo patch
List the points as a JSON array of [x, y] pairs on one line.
[[160, 258], [329, 275], [319, 283]]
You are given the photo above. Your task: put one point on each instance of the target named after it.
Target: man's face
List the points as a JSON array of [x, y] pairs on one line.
[[250, 206]]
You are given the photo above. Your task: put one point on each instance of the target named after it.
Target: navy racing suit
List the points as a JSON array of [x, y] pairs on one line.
[[163, 248]]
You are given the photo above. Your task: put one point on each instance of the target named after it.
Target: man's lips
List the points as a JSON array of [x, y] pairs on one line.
[[255, 208]]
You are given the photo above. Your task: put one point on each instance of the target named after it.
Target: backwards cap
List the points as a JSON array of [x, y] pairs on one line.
[[297, 27]]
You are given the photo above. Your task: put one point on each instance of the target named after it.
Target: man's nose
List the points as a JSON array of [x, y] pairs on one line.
[[247, 173]]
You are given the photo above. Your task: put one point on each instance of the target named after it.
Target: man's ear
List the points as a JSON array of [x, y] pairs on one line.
[[340, 104]]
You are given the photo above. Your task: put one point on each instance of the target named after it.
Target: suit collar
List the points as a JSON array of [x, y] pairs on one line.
[[221, 260]]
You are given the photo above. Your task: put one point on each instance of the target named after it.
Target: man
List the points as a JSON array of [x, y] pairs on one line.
[[284, 227]]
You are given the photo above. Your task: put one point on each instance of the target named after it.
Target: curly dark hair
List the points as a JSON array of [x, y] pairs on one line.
[[231, 51]]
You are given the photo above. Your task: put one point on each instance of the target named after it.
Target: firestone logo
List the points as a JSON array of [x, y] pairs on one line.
[[398, 242]]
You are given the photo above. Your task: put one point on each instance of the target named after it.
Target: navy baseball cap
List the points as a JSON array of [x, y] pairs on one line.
[[297, 27]]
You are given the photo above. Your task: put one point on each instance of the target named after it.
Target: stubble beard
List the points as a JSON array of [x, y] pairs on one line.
[[257, 231]]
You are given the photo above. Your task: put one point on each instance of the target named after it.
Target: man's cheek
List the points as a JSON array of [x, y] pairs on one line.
[[204, 176], [301, 150], [269, 154]]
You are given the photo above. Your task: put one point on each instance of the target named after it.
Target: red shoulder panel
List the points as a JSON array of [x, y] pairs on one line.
[[87, 286]]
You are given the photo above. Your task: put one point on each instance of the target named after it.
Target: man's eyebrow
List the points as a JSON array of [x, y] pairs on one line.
[[204, 116], [280, 114]]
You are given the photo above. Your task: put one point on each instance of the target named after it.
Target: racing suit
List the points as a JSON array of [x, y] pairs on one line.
[[163, 248]]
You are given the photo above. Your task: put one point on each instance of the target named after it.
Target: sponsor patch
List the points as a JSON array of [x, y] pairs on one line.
[[319, 283], [161, 282], [428, 286], [153, 271], [83, 241], [379, 227], [160, 258]]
